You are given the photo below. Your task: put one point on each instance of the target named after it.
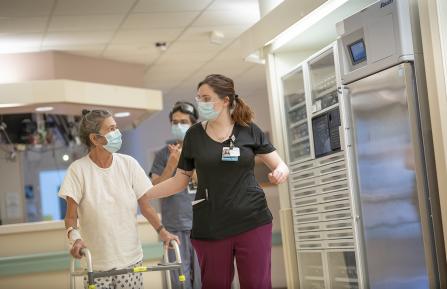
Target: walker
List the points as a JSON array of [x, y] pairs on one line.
[[91, 275]]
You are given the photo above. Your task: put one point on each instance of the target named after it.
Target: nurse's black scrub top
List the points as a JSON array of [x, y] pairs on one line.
[[235, 203]]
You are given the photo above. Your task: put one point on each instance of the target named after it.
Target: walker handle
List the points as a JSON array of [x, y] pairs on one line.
[[175, 246], [86, 253], [178, 260]]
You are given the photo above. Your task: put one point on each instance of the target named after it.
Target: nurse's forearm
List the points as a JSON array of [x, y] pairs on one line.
[[169, 187], [167, 173], [282, 166]]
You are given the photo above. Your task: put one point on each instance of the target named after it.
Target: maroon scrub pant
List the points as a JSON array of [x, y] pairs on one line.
[[252, 251]]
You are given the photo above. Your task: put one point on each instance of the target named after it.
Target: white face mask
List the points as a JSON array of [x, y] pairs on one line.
[[114, 141], [179, 130], [207, 111]]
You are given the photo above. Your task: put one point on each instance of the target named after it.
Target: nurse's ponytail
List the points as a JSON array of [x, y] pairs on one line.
[[242, 113], [223, 86]]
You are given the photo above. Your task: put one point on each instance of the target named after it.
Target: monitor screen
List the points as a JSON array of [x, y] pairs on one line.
[[358, 51], [326, 133], [320, 127]]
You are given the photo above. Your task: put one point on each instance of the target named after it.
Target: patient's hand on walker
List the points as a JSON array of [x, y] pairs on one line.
[[166, 237], [77, 247]]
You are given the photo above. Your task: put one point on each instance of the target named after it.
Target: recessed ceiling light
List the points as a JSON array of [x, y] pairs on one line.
[[217, 37], [122, 114], [65, 158], [44, 108]]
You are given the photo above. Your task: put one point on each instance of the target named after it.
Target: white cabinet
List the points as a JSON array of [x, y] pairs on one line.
[[320, 194], [296, 116]]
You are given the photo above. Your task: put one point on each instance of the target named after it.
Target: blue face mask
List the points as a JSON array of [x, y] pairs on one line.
[[206, 110], [114, 141], [179, 130]]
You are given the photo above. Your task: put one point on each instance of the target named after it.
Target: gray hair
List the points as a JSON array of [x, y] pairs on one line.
[[91, 123]]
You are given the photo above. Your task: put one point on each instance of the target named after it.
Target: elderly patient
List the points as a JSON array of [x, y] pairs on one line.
[[103, 190]]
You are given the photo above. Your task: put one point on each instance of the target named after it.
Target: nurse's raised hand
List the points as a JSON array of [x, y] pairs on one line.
[[174, 154], [279, 175]]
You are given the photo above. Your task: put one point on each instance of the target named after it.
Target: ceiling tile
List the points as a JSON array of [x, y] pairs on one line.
[[204, 32], [227, 17], [77, 38], [151, 6], [159, 20], [86, 7], [25, 8], [194, 46], [241, 5], [186, 57], [16, 43], [22, 25], [132, 53], [85, 23], [148, 36]]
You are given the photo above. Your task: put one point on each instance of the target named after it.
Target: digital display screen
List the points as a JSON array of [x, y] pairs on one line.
[[326, 134], [358, 51], [322, 141]]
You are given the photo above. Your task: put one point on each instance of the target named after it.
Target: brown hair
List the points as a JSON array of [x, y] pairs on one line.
[[224, 86]]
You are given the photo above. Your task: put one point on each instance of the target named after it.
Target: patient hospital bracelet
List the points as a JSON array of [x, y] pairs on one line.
[[74, 235], [159, 229]]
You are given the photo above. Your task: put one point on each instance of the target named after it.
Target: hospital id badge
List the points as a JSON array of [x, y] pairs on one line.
[[230, 154]]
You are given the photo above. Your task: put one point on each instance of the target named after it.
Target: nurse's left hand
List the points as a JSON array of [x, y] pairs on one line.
[[278, 176], [166, 237]]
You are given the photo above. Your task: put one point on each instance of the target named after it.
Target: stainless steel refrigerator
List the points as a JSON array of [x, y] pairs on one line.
[[390, 148], [392, 181]]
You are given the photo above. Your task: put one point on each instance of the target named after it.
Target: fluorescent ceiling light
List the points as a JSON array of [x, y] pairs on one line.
[[122, 114], [8, 105], [305, 23], [44, 108], [255, 57]]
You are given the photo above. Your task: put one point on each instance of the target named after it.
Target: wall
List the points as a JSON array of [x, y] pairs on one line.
[[434, 37], [47, 238], [149, 136], [82, 68], [59, 65], [26, 66]]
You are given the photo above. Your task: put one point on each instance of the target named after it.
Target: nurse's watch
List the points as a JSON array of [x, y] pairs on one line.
[[159, 229]]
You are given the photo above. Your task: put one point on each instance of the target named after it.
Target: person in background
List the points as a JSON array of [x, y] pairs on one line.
[[103, 190], [231, 219], [176, 210]]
